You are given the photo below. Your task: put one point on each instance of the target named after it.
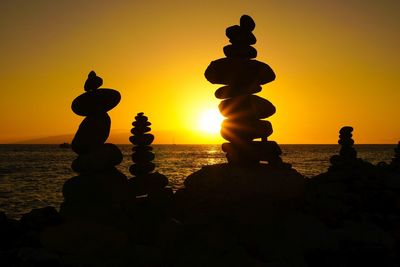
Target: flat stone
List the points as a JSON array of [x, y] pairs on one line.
[[238, 71], [140, 130], [103, 157], [229, 91], [95, 102], [247, 23], [346, 142], [253, 151], [143, 139], [141, 168], [240, 36], [141, 123], [240, 51], [92, 133], [93, 82], [246, 107], [140, 117], [242, 130], [345, 136], [346, 130], [142, 156]]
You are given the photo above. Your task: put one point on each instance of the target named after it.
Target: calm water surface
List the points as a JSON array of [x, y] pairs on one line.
[[32, 176]]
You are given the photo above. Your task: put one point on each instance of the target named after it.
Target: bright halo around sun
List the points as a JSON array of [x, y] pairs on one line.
[[210, 121]]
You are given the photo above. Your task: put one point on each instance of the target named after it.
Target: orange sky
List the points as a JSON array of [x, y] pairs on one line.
[[337, 63]]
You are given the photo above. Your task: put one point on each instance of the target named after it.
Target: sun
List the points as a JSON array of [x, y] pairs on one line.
[[210, 121]]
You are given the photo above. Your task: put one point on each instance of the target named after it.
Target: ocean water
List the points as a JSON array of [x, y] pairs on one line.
[[32, 176]]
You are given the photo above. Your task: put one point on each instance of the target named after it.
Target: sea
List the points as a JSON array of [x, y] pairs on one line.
[[32, 176]]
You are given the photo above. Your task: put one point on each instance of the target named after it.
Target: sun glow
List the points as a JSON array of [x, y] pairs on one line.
[[210, 121]]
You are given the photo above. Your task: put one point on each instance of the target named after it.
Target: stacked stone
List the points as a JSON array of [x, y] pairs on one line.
[[347, 154], [243, 77], [99, 187], [145, 181], [396, 160]]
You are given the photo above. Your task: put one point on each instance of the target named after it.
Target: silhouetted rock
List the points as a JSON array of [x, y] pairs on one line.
[[100, 192], [93, 82], [144, 180], [92, 132], [347, 157], [244, 110], [239, 71], [396, 159], [232, 91], [96, 102]]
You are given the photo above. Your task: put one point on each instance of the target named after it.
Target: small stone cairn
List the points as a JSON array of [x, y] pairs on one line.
[[244, 111], [396, 160], [99, 190], [347, 155], [145, 181]]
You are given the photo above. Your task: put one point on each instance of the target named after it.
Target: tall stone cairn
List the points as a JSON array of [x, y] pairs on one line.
[[145, 181], [243, 77], [99, 190], [347, 155], [396, 160]]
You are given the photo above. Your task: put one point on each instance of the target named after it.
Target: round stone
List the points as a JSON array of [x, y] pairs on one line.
[[142, 156], [140, 148], [141, 168], [346, 142], [246, 107], [240, 51], [252, 151], [245, 130], [95, 102], [247, 23], [346, 130], [140, 130], [92, 133], [93, 82], [238, 71], [239, 36], [104, 157], [142, 139], [141, 123], [229, 91]]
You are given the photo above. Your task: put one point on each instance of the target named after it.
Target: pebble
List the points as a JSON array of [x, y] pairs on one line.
[[95, 102], [141, 168], [246, 107], [238, 71], [234, 130], [239, 36], [240, 51], [93, 82], [143, 139], [142, 155], [346, 130], [93, 132], [229, 91], [247, 23]]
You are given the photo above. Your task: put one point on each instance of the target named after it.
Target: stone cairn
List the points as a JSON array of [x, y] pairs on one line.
[[145, 181], [99, 190], [396, 160], [243, 77], [347, 155]]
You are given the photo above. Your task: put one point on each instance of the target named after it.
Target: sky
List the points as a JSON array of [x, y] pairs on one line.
[[336, 62]]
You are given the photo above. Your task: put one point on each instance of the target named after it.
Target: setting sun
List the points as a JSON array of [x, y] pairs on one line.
[[210, 121]]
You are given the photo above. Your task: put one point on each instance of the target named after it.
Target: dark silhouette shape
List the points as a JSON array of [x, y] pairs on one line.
[[245, 111], [99, 191], [145, 181], [396, 159], [347, 157]]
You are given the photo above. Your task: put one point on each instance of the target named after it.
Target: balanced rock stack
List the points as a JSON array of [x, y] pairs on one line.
[[396, 160], [347, 155], [243, 77], [145, 181], [100, 188]]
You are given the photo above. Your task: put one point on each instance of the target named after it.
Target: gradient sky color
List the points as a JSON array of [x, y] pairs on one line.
[[337, 63]]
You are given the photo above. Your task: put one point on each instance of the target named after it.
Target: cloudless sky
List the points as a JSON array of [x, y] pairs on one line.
[[337, 63]]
